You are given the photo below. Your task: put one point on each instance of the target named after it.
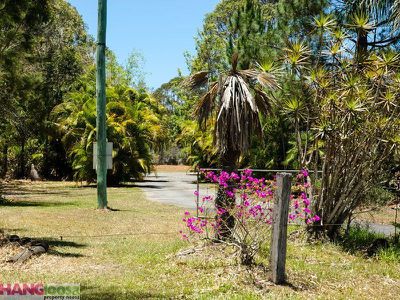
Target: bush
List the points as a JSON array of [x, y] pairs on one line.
[[247, 211]]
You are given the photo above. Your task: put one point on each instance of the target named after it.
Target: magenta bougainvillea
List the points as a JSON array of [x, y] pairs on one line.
[[251, 206]]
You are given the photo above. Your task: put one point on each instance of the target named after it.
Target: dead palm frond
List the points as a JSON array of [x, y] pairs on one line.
[[197, 80], [236, 98]]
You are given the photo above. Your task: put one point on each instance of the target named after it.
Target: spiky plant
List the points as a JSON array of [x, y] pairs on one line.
[[351, 109]]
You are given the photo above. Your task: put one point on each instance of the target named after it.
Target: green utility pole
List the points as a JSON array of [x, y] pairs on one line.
[[101, 134]]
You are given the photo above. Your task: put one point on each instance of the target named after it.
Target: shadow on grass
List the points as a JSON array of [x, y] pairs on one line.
[[60, 244], [23, 203], [150, 186], [64, 254], [153, 180], [360, 240], [19, 188]]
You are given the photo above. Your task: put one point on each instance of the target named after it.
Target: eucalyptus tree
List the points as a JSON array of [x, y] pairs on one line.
[[44, 49], [20, 24]]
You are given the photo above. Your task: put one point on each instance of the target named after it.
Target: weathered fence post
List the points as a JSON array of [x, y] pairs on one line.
[[279, 228]]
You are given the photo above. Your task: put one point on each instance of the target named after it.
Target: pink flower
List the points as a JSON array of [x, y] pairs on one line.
[[234, 176], [196, 193], [304, 172], [230, 194], [247, 172], [221, 211]]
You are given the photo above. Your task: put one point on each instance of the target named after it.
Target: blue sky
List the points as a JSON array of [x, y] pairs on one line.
[[160, 29]]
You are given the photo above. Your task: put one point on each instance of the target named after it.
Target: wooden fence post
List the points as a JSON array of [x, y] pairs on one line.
[[279, 228]]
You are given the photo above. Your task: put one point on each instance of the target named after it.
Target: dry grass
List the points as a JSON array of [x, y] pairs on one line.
[[144, 264], [382, 215]]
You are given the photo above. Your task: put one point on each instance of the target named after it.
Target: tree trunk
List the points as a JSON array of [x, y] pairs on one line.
[[5, 161], [362, 46], [21, 163], [228, 164]]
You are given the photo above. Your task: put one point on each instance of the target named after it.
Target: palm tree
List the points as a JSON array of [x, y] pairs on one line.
[[133, 125], [234, 103]]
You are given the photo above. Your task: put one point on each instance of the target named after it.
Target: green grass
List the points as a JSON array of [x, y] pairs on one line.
[[364, 242], [143, 264]]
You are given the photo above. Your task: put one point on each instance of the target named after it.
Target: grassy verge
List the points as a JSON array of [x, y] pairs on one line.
[[362, 241], [130, 253]]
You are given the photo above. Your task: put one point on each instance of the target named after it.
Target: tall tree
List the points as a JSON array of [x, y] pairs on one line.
[[44, 50], [234, 102]]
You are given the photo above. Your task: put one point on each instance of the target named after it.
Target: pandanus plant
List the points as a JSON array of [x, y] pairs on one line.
[[234, 102]]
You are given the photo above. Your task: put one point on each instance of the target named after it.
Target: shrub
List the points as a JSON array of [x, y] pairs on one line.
[[248, 208]]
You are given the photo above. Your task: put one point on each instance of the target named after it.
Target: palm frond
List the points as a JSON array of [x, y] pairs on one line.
[[196, 80], [206, 104], [263, 101]]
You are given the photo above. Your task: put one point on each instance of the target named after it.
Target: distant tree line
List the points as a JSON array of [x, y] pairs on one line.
[[47, 98]]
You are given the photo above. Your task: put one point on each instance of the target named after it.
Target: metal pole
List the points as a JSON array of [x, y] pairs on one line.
[[101, 134]]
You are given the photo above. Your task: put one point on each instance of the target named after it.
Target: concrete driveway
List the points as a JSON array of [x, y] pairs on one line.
[[175, 188], [178, 188]]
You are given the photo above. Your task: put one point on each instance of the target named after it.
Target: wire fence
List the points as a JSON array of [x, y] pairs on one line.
[[199, 186]]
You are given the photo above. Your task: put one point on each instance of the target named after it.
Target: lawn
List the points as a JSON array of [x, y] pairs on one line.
[[130, 253]]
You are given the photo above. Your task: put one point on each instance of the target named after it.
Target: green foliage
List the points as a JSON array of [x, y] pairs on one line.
[[45, 49], [186, 143], [378, 196], [341, 119], [361, 240], [255, 29], [133, 125]]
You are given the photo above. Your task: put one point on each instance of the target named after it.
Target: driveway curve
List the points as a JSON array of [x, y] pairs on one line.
[[177, 188]]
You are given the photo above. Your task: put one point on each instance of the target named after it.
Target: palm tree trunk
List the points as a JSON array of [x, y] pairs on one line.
[[228, 162]]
